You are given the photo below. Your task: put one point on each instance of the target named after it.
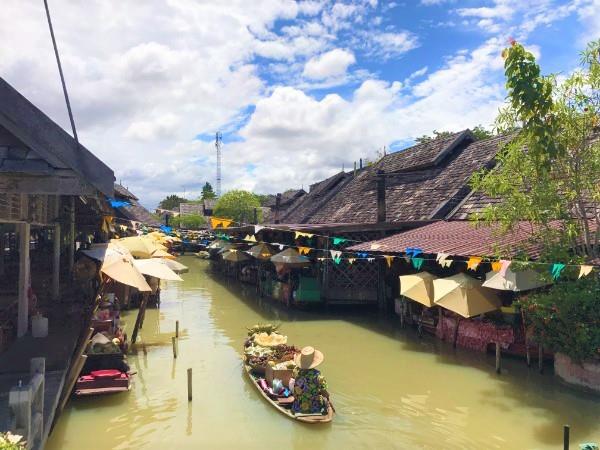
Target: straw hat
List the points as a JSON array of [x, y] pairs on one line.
[[308, 358]]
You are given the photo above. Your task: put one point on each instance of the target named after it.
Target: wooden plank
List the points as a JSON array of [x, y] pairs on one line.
[[26, 184]]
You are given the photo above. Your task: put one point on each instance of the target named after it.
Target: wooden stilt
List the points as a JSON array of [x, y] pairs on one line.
[[24, 277], [456, 332], [420, 328], [177, 328], [402, 312], [541, 358], [174, 342], [138, 320], [441, 321], [528, 354], [498, 357], [566, 437], [189, 384]]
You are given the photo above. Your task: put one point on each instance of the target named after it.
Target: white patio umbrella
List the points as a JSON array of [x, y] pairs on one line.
[[155, 268], [514, 281]]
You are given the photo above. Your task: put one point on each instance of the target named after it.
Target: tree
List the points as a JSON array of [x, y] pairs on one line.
[[190, 221], [479, 132], [207, 192], [238, 205], [549, 172], [436, 135], [171, 202]]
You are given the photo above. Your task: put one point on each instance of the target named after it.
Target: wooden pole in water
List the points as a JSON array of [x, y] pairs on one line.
[[541, 358], [174, 342], [138, 319], [456, 332], [497, 357], [528, 354], [189, 380], [177, 328], [566, 437]]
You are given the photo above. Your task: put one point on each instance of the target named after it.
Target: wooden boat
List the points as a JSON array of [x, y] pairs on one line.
[[281, 405], [100, 382]]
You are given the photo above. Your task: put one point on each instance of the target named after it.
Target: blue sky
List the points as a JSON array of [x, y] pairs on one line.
[[299, 89]]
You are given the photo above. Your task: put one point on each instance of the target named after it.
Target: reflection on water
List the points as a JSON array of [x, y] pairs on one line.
[[391, 389]]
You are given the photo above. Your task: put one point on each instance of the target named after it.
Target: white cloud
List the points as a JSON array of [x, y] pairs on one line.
[[329, 65], [394, 44]]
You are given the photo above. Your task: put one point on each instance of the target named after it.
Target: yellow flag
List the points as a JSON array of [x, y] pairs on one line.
[[585, 271], [226, 222], [388, 259], [215, 223], [496, 266], [301, 234], [473, 262], [304, 250], [250, 238]]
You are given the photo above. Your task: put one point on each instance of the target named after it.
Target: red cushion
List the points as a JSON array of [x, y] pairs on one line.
[[109, 373]]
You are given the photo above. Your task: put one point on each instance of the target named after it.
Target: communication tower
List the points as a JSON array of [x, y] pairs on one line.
[[218, 143]]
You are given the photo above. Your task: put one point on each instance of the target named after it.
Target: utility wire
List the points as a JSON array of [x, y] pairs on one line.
[[62, 76]]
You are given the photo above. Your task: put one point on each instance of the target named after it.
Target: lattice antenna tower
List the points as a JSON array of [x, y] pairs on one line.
[[218, 144]]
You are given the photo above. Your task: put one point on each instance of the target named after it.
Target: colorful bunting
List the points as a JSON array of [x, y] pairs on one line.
[[473, 262], [362, 255], [339, 240], [375, 246], [388, 259], [351, 260], [336, 255], [496, 266], [257, 228], [584, 271], [504, 267], [557, 269], [250, 238], [417, 263], [304, 250], [413, 251], [446, 263], [299, 234], [223, 223], [370, 259]]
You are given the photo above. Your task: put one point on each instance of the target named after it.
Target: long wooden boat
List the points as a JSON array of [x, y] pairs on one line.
[[305, 418]]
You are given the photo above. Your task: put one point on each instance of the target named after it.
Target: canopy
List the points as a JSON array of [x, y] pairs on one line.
[[514, 281], [261, 251], [418, 287], [175, 266], [219, 243], [140, 246], [155, 268], [162, 254], [121, 269], [464, 295], [290, 258], [101, 251], [234, 255]]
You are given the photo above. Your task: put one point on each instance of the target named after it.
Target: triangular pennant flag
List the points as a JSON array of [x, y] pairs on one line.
[[441, 257], [496, 266], [388, 259], [250, 238], [339, 240], [473, 262], [351, 260], [215, 223], [503, 267], [257, 228], [281, 246], [557, 269], [226, 222], [375, 246], [336, 255], [233, 250], [320, 258], [370, 259], [304, 250], [584, 271], [306, 235], [417, 263], [413, 251], [362, 255], [446, 263]]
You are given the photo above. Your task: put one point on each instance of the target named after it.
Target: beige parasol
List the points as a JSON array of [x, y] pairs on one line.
[[261, 251], [464, 295], [290, 258], [139, 246], [235, 255], [121, 269], [514, 281], [418, 287], [175, 266], [155, 268]]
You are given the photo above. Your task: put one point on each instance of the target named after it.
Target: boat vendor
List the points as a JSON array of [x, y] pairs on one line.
[[310, 387]]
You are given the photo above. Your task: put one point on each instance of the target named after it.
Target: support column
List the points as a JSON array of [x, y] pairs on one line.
[[24, 274], [72, 235], [56, 263]]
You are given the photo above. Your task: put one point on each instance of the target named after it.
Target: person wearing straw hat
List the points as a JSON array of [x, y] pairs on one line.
[[310, 387]]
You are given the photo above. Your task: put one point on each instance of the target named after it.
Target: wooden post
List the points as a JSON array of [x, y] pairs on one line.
[[177, 328], [174, 342], [441, 321], [189, 380], [456, 332], [72, 235], [528, 354], [566, 436], [56, 263], [402, 312], [420, 327], [71, 380], [497, 357], [24, 276], [541, 358], [138, 319]]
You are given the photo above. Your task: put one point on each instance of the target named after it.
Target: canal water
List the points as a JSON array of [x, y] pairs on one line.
[[390, 388]]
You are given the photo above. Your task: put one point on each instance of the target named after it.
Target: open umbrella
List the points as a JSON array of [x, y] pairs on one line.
[[101, 251], [261, 251], [514, 281], [162, 254], [175, 266], [217, 244], [418, 287], [464, 295], [121, 269], [155, 268], [290, 258], [139, 246], [234, 255]]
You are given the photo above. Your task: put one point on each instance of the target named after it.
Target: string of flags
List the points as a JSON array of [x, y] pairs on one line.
[[413, 255]]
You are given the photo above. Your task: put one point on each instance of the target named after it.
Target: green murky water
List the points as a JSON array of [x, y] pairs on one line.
[[391, 389]]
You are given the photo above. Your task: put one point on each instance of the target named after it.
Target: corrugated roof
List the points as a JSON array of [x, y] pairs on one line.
[[122, 191]]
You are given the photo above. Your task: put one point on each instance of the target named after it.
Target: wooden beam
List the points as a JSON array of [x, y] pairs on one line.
[[56, 263], [26, 184], [24, 274]]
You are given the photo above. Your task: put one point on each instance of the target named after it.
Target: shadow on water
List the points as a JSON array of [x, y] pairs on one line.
[[516, 384]]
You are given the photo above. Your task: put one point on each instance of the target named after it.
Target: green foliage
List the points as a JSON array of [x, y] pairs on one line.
[[190, 221], [550, 170], [238, 205], [9, 441], [481, 133], [436, 135], [171, 202], [263, 199], [566, 318], [207, 192]]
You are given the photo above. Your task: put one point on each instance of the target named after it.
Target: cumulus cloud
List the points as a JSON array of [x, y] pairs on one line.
[[333, 63]]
